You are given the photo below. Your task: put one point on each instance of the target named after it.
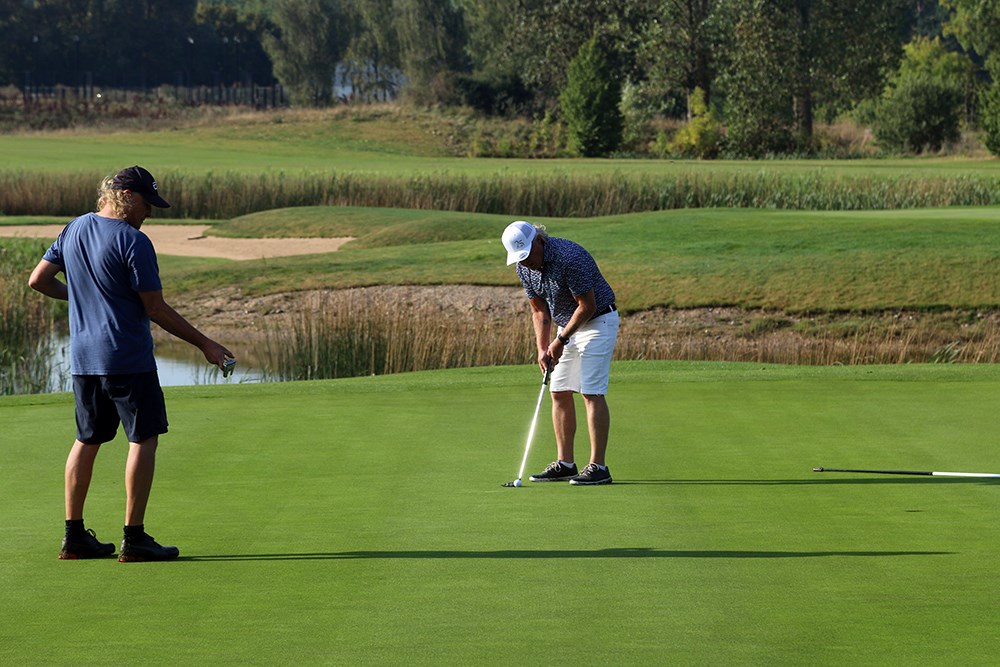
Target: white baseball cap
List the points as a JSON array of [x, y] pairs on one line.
[[517, 240]]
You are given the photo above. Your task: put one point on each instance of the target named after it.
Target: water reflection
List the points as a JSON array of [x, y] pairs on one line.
[[177, 365]]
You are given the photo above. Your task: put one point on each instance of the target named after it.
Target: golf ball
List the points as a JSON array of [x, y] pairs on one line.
[[517, 482]]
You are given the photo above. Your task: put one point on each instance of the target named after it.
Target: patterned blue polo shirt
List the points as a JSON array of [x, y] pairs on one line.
[[567, 271]]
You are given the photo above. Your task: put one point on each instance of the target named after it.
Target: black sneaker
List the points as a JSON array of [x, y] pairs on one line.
[[85, 546], [145, 548], [555, 472], [592, 475]]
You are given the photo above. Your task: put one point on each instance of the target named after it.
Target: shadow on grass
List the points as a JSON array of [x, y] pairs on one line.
[[636, 552], [820, 481]]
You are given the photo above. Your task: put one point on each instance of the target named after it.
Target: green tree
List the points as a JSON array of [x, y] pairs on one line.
[[759, 79], [805, 52], [842, 51], [989, 107], [12, 26], [236, 33], [432, 40], [975, 24], [312, 35], [590, 102], [543, 36], [372, 59], [678, 47]]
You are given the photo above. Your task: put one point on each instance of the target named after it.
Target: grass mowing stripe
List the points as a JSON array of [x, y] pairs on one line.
[[362, 522]]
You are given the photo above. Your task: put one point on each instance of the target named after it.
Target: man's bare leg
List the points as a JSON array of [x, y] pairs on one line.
[[564, 423], [139, 479], [599, 424], [79, 471]]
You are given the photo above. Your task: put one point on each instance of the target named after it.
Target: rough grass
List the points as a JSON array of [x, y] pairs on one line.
[[616, 189]]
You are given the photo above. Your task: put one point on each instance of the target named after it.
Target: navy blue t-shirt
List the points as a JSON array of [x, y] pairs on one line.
[[107, 262], [568, 270]]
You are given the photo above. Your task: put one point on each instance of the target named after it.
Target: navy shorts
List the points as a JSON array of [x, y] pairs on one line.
[[105, 401]]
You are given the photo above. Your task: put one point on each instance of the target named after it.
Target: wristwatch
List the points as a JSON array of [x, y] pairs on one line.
[[563, 339]]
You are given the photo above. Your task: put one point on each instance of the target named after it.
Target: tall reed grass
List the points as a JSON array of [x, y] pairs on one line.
[[230, 194], [353, 336], [826, 340], [28, 319], [352, 333], [364, 338]]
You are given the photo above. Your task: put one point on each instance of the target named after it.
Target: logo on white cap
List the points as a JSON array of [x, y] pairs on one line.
[[517, 240]]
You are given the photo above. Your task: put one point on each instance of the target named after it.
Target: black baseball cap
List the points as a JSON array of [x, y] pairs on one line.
[[139, 180]]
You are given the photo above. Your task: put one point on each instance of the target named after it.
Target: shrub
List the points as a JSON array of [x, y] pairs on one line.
[[922, 107], [590, 103], [920, 113], [702, 136]]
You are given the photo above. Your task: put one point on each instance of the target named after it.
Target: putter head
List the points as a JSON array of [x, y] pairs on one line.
[[511, 484], [228, 366]]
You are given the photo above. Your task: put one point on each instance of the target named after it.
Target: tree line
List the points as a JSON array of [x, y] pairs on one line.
[[751, 77]]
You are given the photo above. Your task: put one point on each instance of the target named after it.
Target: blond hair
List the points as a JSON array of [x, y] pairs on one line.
[[541, 232], [108, 195]]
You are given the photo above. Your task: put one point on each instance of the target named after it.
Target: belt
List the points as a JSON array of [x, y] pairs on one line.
[[604, 311]]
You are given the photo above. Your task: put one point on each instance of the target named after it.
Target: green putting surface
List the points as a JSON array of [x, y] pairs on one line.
[[362, 521]]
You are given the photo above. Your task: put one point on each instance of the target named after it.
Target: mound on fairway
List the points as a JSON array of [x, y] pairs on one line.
[[362, 522]]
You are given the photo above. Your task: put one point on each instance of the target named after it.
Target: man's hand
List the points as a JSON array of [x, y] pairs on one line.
[[216, 354]]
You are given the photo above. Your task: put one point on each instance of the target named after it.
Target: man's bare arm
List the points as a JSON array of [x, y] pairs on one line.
[[44, 279], [172, 322]]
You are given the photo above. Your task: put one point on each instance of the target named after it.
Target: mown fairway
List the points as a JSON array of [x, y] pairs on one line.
[[363, 522], [371, 142]]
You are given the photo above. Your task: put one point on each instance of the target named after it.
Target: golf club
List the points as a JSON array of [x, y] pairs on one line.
[[912, 472], [531, 431]]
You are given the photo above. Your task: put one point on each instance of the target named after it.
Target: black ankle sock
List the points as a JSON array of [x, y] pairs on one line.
[[74, 527], [134, 531]]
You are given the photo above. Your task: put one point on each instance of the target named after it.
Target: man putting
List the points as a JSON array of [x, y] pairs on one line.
[[114, 291], [564, 285]]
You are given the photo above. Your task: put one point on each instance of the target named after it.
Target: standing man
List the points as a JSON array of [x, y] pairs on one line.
[[114, 291], [565, 286]]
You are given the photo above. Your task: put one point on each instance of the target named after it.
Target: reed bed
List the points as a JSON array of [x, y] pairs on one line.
[[823, 340], [352, 337], [28, 319], [349, 335], [371, 338], [230, 194]]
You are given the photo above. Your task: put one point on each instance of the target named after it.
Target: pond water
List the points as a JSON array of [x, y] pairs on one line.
[[176, 366]]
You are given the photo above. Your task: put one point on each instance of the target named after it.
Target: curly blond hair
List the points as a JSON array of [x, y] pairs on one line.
[[108, 195]]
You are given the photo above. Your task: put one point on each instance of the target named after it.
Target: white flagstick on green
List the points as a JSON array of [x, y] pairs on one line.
[[929, 473]]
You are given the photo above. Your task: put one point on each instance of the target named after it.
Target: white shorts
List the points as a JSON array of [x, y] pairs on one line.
[[585, 363]]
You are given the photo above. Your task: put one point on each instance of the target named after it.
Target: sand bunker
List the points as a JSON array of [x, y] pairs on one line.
[[188, 241]]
